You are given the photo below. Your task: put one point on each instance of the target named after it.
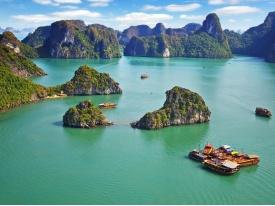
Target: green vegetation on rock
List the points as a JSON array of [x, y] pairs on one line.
[[208, 42], [88, 81], [18, 64], [197, 45], [84, 115], [8, 39], [182, 106], [73, 39], [14, 55], [15, 90]]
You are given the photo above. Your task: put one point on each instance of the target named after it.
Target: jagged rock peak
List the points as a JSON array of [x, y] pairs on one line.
[[270, 19], [159, 29], [212, 26]]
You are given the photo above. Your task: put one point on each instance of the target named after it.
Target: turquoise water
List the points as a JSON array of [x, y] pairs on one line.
[[42, 162]]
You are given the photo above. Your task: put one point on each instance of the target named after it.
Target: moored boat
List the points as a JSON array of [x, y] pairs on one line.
[[226, 152], [144, 76], [224, 167], [208, 149], [197, 155], [107, 105]]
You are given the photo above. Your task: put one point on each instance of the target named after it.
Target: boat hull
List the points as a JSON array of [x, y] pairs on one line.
[[220, 170]]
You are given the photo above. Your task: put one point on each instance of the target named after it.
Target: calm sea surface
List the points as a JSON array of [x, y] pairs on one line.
[[42, 162]]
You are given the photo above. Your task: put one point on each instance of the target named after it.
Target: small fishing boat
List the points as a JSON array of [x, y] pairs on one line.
[[144, 76], [197, 155], [208, 149], [107, 105], [224, 167]]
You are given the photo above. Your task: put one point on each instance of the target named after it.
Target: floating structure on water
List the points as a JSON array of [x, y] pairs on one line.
[[107, 105], [221, 159], [225, 167], [144, 76], [263, 112]]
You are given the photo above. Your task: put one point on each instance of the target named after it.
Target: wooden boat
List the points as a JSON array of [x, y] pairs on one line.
[[247, 160], [208, 149], [197, 155], [226, 153], [107, 105], [224, 167]]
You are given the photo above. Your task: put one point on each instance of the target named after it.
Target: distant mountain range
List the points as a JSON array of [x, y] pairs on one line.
[[206, 41], [74, 39], [144, 30]]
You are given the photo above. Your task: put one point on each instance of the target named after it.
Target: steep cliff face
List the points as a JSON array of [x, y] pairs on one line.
[[159, 29], [137, 31], [38, 37], [207, 42], [270, 57], [85, 115], [211, 25], [257, 41], [13, 56], [153, 46], [235, 41], [182, 106], [87, 81], [73, 39]]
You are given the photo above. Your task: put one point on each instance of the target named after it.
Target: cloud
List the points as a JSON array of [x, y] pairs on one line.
[[236, 10], [100, 3], [152, 8], [192, 17], [182, 7], [136, 18], [56, 2], [218, 2], [55, 16]]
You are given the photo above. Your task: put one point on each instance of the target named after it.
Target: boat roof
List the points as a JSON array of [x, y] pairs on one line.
[[253, 156], [230, 164], [226, 146]]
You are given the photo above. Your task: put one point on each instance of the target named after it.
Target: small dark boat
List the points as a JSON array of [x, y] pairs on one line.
[[107, 105], [263, 112], [197, 155], [144, 76], [225, 167]]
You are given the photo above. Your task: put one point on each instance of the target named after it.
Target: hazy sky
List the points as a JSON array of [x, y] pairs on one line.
[[119, 14]]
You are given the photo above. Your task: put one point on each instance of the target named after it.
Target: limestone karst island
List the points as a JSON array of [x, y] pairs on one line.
[[115, 102]]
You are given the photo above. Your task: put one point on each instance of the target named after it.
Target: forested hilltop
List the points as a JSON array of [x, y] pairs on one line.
[[73, 39], [14, 56]]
